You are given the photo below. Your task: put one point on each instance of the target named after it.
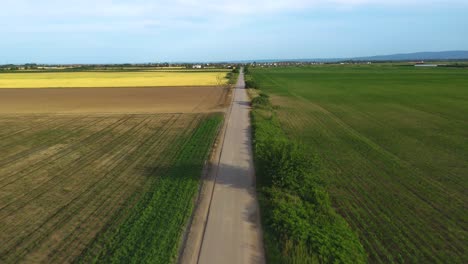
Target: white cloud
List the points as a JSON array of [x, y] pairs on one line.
[[105, 15], [176, 8]]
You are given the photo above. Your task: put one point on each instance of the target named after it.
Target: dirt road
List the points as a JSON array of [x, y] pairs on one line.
[[233, 232]]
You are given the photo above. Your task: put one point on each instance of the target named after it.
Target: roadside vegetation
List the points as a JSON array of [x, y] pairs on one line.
[[300, 226], [232, 76], [249, 81], [392, 146]]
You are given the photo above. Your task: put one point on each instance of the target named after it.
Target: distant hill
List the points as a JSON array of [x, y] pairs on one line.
[[441, 55], [438, 55]]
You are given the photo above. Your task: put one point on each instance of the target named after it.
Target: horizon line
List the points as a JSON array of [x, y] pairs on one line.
[[304, 59]]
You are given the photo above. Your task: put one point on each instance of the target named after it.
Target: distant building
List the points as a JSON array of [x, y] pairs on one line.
[[426, 65], [197, 66]]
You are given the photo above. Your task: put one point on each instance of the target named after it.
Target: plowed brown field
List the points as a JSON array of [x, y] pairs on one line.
[[115, 100]]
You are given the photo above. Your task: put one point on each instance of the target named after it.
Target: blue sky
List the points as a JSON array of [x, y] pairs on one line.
[[119, 31]]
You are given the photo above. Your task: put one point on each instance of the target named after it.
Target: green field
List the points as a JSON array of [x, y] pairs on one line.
[[394, 143], [99, 188]]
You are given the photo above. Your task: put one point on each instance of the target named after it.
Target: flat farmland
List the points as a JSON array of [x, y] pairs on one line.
[[83, 186], [394, 143], [111, 79], [102, 175]]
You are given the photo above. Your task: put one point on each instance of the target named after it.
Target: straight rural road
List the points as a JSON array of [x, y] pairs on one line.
[[232, 233]]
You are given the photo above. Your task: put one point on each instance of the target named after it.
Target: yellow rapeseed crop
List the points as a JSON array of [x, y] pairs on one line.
[[110, 79]]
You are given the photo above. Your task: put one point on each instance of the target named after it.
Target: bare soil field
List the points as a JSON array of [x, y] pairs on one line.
[[115, 100]]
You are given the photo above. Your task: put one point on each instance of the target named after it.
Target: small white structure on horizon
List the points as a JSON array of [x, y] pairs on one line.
[[426, 65], [197, 66]]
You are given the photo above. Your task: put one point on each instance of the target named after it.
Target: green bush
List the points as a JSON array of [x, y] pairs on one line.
[[288, 166], [263, 100], [251, 84], [300, 225], [232, 77]]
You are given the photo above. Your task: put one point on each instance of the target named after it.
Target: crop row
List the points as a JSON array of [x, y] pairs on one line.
[[150, 232], [393, 142], [113, 196], [390, 223], [56, 205], [23, 202]]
